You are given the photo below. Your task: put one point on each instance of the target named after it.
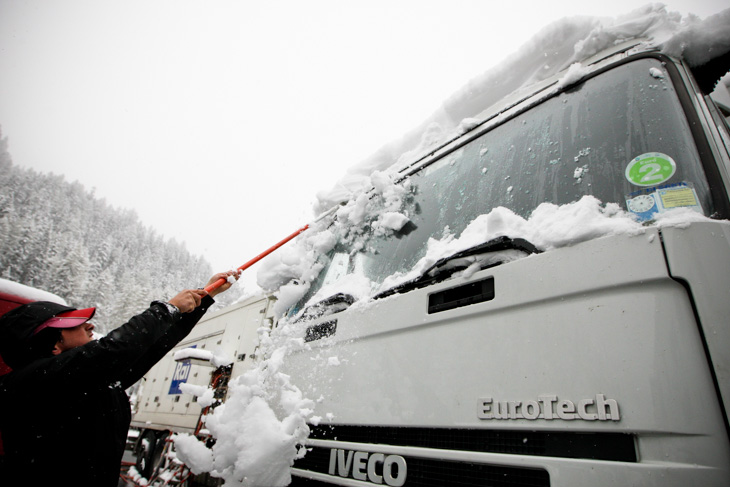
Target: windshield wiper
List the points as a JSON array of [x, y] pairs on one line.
[[331, 305], [448, 266]]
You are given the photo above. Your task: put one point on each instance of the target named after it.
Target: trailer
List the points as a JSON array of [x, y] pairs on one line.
[[161, 408]]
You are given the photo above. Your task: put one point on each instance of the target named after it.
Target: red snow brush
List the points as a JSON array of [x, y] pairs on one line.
[[251, 262]]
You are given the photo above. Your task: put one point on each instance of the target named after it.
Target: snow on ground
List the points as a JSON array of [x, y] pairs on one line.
[[265, 417]]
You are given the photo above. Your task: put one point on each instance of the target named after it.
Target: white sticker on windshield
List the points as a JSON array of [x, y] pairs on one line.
[[680, 195], [645, 203], [650, 169]]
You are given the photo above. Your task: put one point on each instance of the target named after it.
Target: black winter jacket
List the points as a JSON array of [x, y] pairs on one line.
[[65, 419]]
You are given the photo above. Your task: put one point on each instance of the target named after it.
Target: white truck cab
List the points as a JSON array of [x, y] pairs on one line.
[[596, 360]]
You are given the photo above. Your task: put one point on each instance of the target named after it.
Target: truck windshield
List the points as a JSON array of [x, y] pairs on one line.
[[577, 143]]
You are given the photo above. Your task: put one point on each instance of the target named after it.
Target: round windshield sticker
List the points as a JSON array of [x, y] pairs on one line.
[[650, 169]]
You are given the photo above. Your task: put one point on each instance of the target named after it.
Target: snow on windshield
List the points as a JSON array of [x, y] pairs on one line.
[[548, 227], [259, 428]]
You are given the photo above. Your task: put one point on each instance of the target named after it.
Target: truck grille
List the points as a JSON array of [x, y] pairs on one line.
[[421, 472], [616, 447], [437, 473]]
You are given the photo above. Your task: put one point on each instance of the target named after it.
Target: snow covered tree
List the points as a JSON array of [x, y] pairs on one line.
[[59, 237]]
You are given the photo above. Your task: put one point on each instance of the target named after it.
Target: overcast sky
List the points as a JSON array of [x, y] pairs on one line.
[[219, 121]]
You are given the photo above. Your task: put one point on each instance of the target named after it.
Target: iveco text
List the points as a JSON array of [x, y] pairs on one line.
[[375, 467]]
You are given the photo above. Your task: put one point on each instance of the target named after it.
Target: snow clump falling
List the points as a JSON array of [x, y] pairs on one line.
[[260, 428], [563, 45]]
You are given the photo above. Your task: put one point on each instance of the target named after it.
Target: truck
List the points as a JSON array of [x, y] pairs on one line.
[[541, 298], [520, 359]]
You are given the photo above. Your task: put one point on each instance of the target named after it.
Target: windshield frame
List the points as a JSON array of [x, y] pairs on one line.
[[709, 163]]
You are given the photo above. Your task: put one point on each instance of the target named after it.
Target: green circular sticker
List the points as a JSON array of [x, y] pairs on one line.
[[650, 169]]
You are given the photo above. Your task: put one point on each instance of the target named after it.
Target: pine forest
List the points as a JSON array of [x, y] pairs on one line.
[[59, 237]]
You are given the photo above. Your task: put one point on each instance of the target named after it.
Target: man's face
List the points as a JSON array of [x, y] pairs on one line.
[[74, 337]]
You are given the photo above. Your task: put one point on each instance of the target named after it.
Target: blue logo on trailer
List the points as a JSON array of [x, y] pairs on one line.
[[181, 374]]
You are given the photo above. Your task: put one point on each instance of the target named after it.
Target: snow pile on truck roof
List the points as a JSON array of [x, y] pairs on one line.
[[260, 428], [551, 51]]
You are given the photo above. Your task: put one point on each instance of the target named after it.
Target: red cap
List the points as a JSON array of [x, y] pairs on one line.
[[69, 319]]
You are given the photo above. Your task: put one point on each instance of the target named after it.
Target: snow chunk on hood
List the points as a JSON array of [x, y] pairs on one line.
[[549, 226]]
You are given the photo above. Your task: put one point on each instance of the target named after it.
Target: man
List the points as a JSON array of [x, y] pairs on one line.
[[64, 413]]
